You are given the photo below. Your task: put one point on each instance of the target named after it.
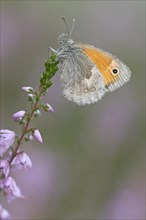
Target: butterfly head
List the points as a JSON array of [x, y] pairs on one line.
[[63, 39], [66, 44]]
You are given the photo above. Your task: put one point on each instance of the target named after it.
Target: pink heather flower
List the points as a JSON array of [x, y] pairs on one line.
[[9, 155], [27, 89], [4, 168], [10, 189], [4, 214], [49, 108], [21, 160], [7, 138], [2, 184], [37, 136], [18, 115]]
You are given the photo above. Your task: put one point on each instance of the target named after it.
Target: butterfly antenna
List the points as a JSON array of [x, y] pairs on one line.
[[73, 24], [66, 25]]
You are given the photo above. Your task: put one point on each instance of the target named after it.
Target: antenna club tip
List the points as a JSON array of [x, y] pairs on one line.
[[69, 33]]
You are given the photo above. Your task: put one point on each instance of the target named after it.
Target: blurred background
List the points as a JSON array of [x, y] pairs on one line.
[[91, 163]]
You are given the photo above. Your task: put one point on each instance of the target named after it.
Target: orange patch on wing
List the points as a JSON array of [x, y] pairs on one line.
[[103, 62]]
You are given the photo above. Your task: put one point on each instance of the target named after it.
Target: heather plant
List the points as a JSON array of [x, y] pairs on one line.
[[11, 155]]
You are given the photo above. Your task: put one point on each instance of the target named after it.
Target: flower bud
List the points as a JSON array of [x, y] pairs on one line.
[[7, 138], [37, 136], [18, 115], [27, 89], [48, 108], [31, 97], [37, 113], [31, 137]]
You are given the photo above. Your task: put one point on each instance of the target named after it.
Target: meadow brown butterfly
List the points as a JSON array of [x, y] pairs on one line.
[[87, 72]]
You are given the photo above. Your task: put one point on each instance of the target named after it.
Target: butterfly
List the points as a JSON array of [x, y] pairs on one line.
[[87, 72]]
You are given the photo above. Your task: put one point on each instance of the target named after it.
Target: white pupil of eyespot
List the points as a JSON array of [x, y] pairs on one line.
[[115, 71]]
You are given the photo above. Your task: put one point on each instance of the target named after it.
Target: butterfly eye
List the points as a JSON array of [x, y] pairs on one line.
[[115, 71]]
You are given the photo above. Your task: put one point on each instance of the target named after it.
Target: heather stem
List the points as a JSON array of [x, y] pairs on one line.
[[19, 141]]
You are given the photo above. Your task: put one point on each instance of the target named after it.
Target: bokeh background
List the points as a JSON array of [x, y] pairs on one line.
[[91, 163]]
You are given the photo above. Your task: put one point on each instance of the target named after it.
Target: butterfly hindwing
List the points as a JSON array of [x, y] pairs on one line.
[[107, 64]]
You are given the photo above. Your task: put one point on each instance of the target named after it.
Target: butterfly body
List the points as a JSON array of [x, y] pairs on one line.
[[87, 73]]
